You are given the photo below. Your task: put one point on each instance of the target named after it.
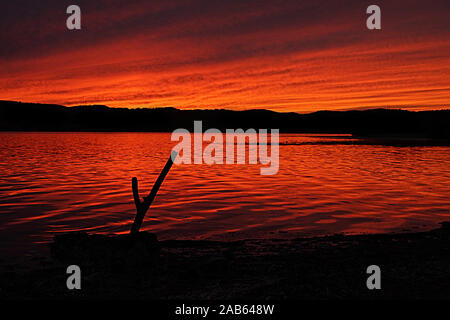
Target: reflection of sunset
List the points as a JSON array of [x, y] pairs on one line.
[[81, 182], [280, 56]]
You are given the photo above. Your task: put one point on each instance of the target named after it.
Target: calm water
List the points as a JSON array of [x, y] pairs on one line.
[[58, 182]]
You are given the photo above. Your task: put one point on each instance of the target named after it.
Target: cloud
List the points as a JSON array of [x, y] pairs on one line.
[[282, 55]]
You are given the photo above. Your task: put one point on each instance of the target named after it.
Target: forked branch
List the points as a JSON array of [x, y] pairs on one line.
[[143, 206]]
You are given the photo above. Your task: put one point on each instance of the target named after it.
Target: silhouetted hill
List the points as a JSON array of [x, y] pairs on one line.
[[16, 116]]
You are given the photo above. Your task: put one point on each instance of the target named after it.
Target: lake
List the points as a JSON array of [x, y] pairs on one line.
[[52, 183]]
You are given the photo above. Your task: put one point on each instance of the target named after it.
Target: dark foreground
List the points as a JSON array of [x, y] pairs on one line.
[[413, 265]]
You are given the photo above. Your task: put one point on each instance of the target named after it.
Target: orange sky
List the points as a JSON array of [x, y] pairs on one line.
[[281, 55]]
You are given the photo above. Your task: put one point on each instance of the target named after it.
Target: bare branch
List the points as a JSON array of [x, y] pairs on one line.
[[142, 207]]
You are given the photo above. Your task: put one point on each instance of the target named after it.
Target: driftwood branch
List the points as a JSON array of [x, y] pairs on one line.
[[143, 206]]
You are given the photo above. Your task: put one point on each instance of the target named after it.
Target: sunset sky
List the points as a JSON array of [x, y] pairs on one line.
[[281, 55]]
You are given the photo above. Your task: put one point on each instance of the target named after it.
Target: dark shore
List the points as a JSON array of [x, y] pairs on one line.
[[413, 265], [373, 123]]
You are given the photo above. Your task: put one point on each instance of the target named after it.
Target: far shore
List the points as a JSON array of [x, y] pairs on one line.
[[387, 122]]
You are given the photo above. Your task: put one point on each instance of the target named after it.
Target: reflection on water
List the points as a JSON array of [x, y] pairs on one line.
[[58, 182]]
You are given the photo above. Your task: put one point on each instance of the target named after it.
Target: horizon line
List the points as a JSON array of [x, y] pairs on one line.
[[403, 108]]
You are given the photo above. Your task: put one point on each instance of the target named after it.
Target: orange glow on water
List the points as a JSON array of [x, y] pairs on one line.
[[82, 181]]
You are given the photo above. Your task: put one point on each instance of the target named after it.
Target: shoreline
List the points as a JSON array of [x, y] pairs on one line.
[[413, 265]]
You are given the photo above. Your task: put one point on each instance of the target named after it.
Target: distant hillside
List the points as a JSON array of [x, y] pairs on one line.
[[16, 116]]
